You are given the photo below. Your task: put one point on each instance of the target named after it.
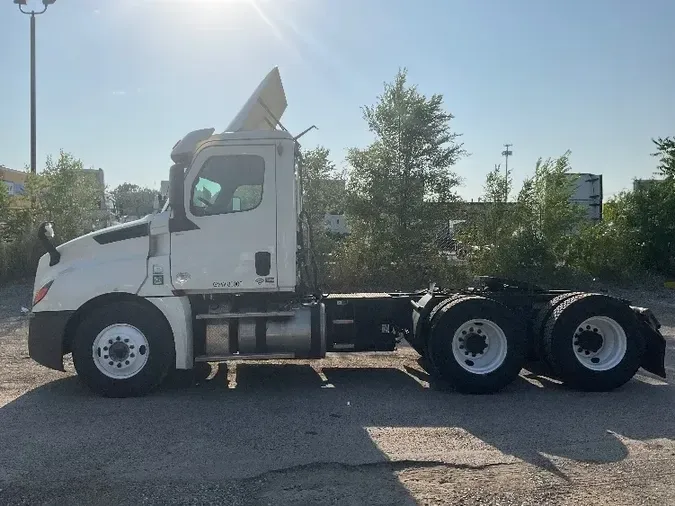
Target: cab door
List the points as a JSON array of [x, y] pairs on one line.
[[230, 203]]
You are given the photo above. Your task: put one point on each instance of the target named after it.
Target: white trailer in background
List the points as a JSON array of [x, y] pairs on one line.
[[588, 193]]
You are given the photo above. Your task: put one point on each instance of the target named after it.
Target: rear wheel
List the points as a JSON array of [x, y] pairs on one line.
[[420, 347], [593, 342], [123, 350], [539, 322], [476, 344]]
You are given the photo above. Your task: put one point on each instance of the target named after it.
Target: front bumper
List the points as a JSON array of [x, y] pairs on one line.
[[46, 334]]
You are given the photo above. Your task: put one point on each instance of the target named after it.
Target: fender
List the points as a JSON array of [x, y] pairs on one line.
[[654, 359]]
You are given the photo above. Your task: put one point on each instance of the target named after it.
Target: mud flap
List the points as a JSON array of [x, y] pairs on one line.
[[655, 350]]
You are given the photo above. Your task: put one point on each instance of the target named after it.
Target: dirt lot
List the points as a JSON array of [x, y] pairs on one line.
[[345, 430]]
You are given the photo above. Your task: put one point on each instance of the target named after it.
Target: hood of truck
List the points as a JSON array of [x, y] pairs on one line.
[[115, 255]]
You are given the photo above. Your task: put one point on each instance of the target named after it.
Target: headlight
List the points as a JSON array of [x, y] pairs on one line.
[[42, 293]]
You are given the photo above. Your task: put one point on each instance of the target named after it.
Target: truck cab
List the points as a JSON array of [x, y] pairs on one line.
[[215, 270]]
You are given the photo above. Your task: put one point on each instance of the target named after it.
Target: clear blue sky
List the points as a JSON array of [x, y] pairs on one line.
[[119, 82]]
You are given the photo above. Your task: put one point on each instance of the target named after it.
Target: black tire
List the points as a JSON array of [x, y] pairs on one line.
[[559, 334], [419, 343], [448, 320], [161, 352], [539, 322]]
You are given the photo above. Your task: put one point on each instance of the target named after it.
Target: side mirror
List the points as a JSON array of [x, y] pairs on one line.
[[45, 235], [177, 190]]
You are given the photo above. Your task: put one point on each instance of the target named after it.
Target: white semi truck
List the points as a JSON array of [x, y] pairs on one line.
[[224, 272]]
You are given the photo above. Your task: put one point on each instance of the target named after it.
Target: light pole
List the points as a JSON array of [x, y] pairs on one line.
[[506, 153], [33, 135]]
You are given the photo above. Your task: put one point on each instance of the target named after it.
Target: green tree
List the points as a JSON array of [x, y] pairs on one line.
[[5, 217], [67, 195], [531, 238], [647, 217], [498, 185], [323, 191], [545, 202], [494, 221], [401, 185], [665, 151], [323, 187], [132, 200], [63, 193], [4, 201]]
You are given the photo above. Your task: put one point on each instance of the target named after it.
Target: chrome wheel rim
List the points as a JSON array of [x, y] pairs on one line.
[[599, 343], [120, 351], [480, 346]]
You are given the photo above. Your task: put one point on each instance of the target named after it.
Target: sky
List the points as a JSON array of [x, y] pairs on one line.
[[119, 82]]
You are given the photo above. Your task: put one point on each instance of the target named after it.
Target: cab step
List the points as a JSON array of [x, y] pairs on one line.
[[261, 314]]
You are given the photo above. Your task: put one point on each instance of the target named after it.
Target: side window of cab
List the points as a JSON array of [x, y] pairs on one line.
[[228, 184]]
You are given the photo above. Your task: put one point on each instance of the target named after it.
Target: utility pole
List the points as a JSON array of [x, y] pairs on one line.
[[33, 116], [506, 153]]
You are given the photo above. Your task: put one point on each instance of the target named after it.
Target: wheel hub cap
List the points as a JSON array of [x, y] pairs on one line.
[[589, 340], [119, 351], [475, 343]]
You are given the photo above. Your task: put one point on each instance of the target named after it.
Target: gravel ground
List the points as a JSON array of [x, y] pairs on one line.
[[344, 430]]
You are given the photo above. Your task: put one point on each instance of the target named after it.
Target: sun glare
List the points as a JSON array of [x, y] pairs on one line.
[[219, 12]]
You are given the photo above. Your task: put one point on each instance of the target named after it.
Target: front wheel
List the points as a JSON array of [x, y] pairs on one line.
[[476, 344], [123, 350]]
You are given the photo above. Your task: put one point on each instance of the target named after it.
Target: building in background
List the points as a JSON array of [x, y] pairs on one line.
[[336, 224], [15, 180]]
